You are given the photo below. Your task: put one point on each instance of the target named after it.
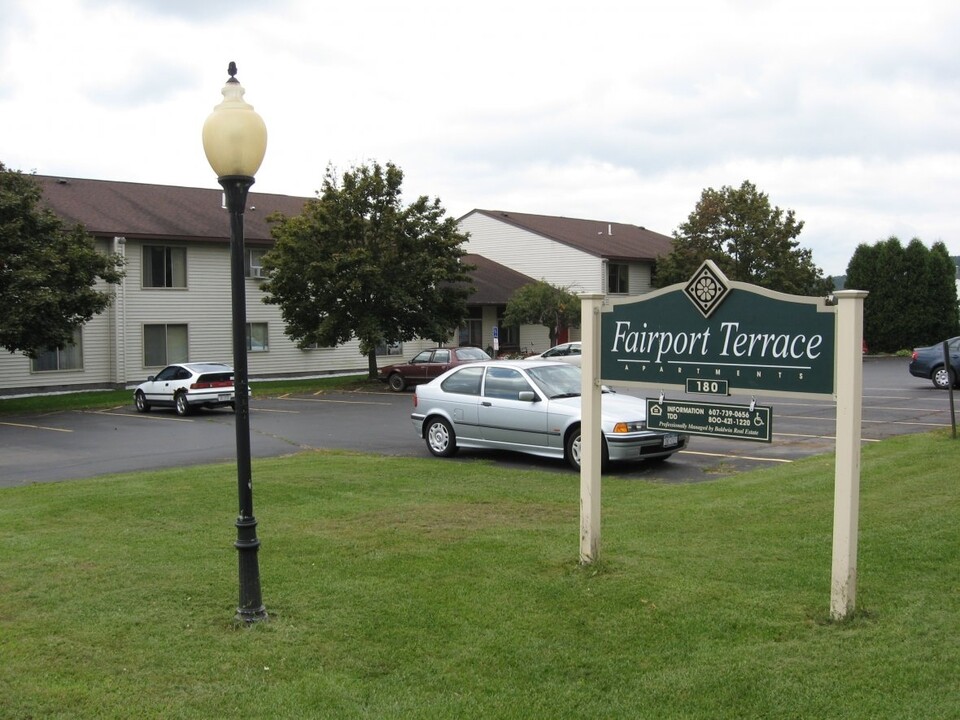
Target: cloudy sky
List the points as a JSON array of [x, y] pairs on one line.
[[846, 112]]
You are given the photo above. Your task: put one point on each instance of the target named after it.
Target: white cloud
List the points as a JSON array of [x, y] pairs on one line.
[[843, 111]]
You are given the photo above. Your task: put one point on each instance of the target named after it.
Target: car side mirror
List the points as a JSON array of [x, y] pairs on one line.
[[150, 378], [526, 396]]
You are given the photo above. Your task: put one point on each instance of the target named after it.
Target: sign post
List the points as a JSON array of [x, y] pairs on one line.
[[590, 440], [846, 489], [713, 335]]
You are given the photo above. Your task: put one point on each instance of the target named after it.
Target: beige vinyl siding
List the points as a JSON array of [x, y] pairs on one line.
[[205, 307], [640, 278], [532, 254], [16, 371]]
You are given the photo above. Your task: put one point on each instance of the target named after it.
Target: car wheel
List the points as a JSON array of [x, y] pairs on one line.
[[574, 448], [397, 383], [941, 378], [440, 437], [140, 400], [181, 404]]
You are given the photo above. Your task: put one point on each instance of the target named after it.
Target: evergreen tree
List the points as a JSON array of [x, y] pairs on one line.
[[913, 295]]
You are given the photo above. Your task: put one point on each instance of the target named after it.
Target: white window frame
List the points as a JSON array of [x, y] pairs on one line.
[[623, 278], [254, 263], [168, 259], [167, 358], [66, 359], [264, 334]]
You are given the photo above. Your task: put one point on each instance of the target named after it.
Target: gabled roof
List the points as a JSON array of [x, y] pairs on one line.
[[493, 283], [140, 211], [610, 240]]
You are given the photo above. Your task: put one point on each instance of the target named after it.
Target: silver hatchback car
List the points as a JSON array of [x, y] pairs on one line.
[[530, 406]]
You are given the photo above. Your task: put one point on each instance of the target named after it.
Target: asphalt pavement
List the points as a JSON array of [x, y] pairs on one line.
[[78, 444]]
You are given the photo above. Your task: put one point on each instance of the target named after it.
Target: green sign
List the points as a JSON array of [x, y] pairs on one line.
[[740, 422], [713, 329]]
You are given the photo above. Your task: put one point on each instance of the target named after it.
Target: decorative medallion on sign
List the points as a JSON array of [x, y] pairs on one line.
[[707, 288]]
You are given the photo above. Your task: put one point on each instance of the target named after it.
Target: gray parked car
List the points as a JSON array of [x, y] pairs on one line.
[[530, 406]]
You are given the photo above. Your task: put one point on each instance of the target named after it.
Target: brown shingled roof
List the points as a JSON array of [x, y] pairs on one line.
[[142, 211], [493, 283], [135, 210], [614, 241]]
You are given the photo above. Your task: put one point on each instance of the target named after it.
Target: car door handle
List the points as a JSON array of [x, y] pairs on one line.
[[487, 404]]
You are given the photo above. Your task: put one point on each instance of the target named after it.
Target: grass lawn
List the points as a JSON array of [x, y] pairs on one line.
[[408, 588]]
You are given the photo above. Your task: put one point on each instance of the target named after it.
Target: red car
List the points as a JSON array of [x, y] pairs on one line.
[[427, 365]]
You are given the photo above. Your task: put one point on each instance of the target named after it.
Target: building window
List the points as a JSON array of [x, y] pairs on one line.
[[618, 279], [69, 357], [164, 344], [392, 349], [164, 266], [255, 262], [257, 337], [509, 335], [471, 332]]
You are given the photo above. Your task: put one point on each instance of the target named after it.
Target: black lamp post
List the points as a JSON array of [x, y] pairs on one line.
[[235, 140]]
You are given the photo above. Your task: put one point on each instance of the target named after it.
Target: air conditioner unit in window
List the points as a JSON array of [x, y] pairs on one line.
[[257, 272]]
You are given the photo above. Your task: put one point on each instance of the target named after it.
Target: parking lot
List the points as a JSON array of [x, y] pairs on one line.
[[77, 444]]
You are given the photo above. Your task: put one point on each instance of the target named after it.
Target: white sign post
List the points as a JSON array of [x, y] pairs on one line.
[[590, 438], [846, 492], [667, 327]]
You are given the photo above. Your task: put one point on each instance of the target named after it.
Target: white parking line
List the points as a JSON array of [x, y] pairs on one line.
[[907, 422], [35, 427], [912, 409], [341, 402], [140, 416], [817, 437], [735, 457]]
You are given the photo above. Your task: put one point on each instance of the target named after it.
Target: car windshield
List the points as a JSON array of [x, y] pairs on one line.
[[557, 381]]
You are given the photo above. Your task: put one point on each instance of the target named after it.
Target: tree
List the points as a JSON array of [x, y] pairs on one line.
[[48, 272], [912, 297], [358, 264], [540, 303], [749, 240]]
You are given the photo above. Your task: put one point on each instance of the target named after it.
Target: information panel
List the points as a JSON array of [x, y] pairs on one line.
[[741, 422]]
